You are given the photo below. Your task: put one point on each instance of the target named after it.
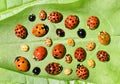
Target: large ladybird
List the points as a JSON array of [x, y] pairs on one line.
[[55, 17], [20, 31], [40, 53], [58, 51], [82, 72], [102, 55], [40, 30], [42, 15], [80, 54], [92, 22], [104, 38], [22, 63], [71, 21], [53, 68]]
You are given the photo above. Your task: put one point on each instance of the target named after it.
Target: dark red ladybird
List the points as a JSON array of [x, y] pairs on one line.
[[40, 53], [55, 17], [80, 54], [42, 15], [53, 68], [20, 31], [60, 32], [92, 22], [82, 72], [71, 21], [102, 55], [58, 51]]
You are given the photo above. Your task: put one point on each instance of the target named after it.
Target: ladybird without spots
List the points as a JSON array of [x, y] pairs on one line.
[[58, 51], [102, 56], [104, 38], [42, 15], [92, 22], [48, 42], [55, 17], [71, 42], [22, 64], [20, 31], [40, 53], [82, 72], [53, 68], [80, 54], [40, 30], [68, 58], [71, 21]]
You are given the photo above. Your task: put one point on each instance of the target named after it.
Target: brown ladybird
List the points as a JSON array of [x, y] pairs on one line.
[[42, 15], [68, 58]]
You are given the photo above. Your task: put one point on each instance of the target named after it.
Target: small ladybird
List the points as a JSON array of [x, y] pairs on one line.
[[55, 17], [70, 42], [91, 63], [36, 70], [24, 47], [40, 30], [80, 54], [81, 33], [53, 68], [90, 46], [71, 21], [82, 72], [68, 58], [60, 32], [67, 71], [102, 55], [104, 38], [48, 42], [32, 17], [42, 15], [40, 53], [20, 31], [22, 63], [92, 22], [58, 51]]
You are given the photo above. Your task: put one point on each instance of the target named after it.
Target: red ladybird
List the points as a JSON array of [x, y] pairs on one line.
[[58, 51], [42, 15], [80, 54], [82, 72], [102, 55], [92, 22], [71, 21], [40, 53], [20, 31], [55, 17], [53, 68]]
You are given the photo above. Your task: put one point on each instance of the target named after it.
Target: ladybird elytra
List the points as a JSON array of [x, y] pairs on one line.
[[24, 47], [91, 63], [48, 42], [68, 58], [90, 46], [42, 15], [70, 42]]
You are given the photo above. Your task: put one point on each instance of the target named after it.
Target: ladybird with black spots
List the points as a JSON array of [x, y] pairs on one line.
[[42, 15], [58, 51], [53, 68], [22, 64]]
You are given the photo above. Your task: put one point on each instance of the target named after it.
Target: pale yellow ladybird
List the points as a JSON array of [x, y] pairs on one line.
[[24, 47], [67, 71], [70, 42], [48, 42], [68, 58], [91, 63], [90, 46]]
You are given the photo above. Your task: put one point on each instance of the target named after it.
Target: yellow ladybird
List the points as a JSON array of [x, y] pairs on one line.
[[48, 42], [90, 46], [91, 63], [70, 42]]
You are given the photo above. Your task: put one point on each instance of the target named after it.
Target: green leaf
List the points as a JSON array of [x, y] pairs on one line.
[[17, 12]]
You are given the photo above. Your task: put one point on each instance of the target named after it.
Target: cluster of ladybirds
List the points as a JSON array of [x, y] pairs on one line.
[[59, 50]]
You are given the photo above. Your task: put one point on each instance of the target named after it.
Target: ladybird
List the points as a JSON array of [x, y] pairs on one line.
[[48, 42], [20, 31], [40, 53], [82, 72], [80, 54], [22, 63], [67, 71], [92, 22], [42, 15], [81, 33], [102, 56], [68, 58], [36, 70], [55, 17], [24, 47], [32, 17], [91, 63], [71, 21], [40, 30], [53, 68], [104, 38], [58, 51], [70, 42], [60, 32], [90, 46]]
